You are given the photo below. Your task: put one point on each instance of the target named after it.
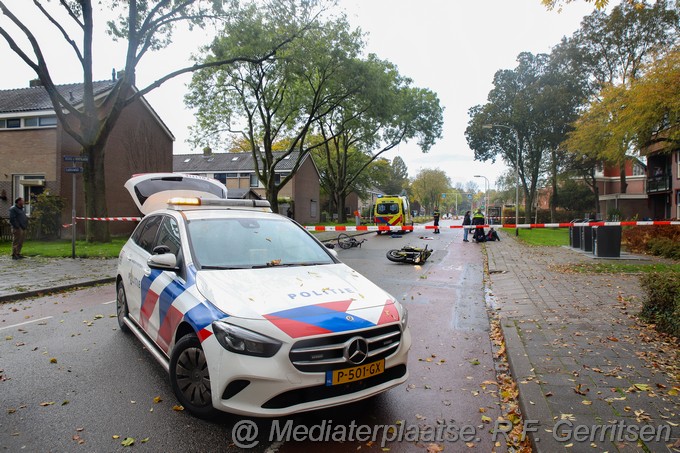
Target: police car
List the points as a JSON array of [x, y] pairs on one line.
[[247, 311]]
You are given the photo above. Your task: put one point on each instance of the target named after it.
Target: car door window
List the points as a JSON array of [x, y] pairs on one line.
[[168, 235], [147, 235]]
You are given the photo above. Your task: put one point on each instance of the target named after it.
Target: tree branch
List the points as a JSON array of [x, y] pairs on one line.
[[70, 12], [61, 29]]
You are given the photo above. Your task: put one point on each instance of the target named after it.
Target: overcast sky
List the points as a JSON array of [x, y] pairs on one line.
[[452, 47]]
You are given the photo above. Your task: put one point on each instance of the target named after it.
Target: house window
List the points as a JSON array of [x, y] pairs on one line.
[[254, 182], [221, 177], [28, 187], [232, 175], [46, 121], [34, 121], [638, 170], [277, 178]]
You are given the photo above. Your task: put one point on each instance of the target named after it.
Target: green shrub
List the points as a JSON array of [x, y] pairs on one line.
[[665, 247], [662, 302], [45, 220], [652, 239]]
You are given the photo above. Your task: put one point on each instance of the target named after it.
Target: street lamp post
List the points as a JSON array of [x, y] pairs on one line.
[[486, 196], [491, 126]]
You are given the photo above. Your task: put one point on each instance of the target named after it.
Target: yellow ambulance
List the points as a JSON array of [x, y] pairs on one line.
[[393, 210]]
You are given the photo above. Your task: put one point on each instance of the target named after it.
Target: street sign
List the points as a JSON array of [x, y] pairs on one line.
[[74, 169], [75, 159], [469, 196], [443, 195]]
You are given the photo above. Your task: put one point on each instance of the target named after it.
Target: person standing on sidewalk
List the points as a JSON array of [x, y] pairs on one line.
[[19, 222], [435, 217], [466, 221]]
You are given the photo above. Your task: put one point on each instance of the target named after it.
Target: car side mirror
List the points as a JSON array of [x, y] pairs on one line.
[[163, 262], [161, 249]]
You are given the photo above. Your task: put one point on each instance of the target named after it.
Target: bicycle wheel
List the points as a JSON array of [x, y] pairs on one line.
[[396, 256], [344, 241]]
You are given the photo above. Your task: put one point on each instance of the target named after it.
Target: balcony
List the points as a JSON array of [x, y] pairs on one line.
[[660, 183]]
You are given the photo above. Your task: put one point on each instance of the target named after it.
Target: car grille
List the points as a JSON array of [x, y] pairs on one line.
[[327, 353], [321, 392]]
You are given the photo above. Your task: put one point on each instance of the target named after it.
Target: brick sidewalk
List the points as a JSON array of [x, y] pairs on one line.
[[577, 351]]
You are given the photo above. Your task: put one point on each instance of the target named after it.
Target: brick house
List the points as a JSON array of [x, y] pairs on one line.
[[237, 172], [33, 145], [632, 203]]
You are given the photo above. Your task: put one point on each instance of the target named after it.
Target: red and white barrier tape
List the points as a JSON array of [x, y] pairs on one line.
[[105, 219], [504, 225], [431, 227], [111, 219]]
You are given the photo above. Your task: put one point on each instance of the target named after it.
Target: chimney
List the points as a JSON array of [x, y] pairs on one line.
[[35, 83], [120, 74], [207, 151]]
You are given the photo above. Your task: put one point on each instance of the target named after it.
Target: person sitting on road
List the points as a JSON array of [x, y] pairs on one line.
[[492, 235]]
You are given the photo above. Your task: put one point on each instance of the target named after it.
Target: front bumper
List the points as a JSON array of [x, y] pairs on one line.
[[272, 387]]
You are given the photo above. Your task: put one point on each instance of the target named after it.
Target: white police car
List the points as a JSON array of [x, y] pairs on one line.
[[246, 310]]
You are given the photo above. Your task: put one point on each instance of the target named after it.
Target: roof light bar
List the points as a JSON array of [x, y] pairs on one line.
[[185, 201], [219, 202]]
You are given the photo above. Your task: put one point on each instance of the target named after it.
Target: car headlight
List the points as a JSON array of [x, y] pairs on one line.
[[243, 341], [404, 317]]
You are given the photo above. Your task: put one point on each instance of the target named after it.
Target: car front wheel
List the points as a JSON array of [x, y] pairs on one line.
[[190, 378]]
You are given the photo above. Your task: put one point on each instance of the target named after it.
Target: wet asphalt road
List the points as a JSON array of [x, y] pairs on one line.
[[71, 380]]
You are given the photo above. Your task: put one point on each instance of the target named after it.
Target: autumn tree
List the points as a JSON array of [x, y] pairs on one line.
[[386, 111], [613, 50], [528, 113], [428, 186], [144, 27], [277, 100], [651, 106], [396, 177], [599, 4]]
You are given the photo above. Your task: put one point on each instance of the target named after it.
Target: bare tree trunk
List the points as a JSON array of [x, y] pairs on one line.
[[554, 197], [342, 217], [95, 194]]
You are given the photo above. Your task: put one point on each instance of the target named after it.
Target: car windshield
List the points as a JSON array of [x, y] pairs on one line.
[[242, 243]]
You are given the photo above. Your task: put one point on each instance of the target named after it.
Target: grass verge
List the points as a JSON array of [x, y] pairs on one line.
[[619, 268], [542, 236], [63, 249]]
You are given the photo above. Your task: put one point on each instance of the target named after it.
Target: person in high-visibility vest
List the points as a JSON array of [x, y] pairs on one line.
[[435, 217], [478, 219]]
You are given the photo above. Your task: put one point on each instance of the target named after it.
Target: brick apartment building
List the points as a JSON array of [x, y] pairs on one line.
[[634, 202], [33, 145], [237, 172], [663, 181]]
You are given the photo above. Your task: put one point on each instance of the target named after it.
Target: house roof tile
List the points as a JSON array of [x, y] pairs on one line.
[[225, 162], [36, 98]]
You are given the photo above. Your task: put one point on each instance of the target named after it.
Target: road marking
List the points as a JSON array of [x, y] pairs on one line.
[[109, 302], [24, 323]]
